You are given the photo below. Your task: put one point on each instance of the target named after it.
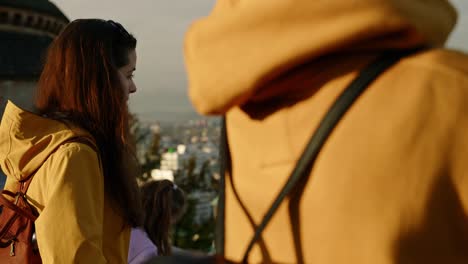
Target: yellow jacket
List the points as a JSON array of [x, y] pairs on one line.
[[391, 183], [76, 223]]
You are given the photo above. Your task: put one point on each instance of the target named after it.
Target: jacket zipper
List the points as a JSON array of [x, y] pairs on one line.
[[12, 248]]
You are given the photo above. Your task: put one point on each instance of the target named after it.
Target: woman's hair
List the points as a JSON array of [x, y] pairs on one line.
[[164, 204], [80, 85]]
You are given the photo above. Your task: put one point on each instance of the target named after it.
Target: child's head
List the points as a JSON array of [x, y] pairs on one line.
[[164, 204]]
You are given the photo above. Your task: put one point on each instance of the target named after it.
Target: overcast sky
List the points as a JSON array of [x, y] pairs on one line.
[[159, 26]]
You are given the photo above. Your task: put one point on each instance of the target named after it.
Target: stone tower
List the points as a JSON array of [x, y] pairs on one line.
[[27, 27]]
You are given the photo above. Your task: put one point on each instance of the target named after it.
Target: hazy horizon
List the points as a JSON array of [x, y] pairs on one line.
[[160, 27]]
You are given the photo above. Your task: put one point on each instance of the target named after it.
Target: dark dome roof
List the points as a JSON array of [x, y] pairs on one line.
[[22, 55], [41, 6], [22, 51]]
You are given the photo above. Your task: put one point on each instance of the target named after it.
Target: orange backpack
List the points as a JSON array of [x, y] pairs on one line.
[[17, 227]]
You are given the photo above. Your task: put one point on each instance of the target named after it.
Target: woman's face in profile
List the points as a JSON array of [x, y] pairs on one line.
[[126, 74]]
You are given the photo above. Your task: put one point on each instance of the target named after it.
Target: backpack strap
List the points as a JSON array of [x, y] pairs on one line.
[[311, 151], [224, 167], [14, 205]]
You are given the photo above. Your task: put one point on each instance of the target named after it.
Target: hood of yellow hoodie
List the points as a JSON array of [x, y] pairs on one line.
[[27, 140], [244, 44]]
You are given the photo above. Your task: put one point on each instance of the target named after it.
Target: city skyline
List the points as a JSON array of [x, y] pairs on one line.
[[160, 27]]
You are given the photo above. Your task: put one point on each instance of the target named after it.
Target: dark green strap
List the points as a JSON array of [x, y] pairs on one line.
[[224, 167], [328, 123]]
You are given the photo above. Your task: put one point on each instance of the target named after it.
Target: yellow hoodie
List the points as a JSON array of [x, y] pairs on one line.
[[76, 223], [390, 184]]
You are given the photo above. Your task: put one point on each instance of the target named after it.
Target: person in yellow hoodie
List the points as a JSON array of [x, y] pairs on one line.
[[86, 196], [391, 183]]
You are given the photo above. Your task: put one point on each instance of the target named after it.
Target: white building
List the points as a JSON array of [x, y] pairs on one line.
[[170, 161]]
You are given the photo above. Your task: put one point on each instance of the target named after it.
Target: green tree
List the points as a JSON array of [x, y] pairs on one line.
[[152, 158], [187, 233]]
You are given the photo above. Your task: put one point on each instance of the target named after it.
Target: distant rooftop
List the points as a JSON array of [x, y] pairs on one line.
[[41, 6]]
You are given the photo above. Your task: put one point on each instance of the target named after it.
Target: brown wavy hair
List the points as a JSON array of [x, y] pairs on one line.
[[80, 85], [164, 204]]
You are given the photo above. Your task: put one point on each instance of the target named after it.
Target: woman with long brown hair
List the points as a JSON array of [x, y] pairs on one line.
[[77, 146]]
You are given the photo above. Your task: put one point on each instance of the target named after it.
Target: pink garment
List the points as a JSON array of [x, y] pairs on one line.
[[141, 248]]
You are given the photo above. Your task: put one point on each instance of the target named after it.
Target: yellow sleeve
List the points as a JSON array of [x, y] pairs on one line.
[[70, 227]]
